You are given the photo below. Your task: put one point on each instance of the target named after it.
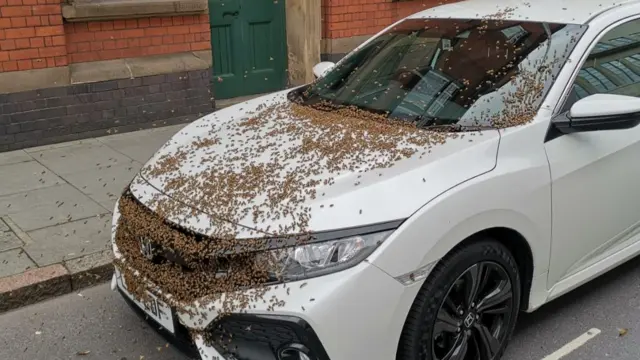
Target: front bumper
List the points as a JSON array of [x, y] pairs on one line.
[[354, 314]]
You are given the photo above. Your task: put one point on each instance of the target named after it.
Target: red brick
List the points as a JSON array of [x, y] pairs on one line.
[[106, 25], [94, 26], [20, 33], [32, 20], [178, 38], [4, 56], [143, 23], [178, 20], [189, 19], [24, 65], [199, 28], [10, 66], [109, 44], [133, 43], [11, 11], [44, 20], [7, 45], [107, 35], [13, 2], [119, 24], [155, 22], [5, 23], [96, 46], [46, 9], [84, 57], [58, 40], [167, 39], [156, 40], [51, 62], [61, 61], [176, 48], [203, 45], [166, 21], [3, 34], [23, 54], [55, 20], [23, 43], [121, 43], [183, 29], [53, 51], [131, 23], [49, 30], [132, 33], [145, 41], [80, 37], [39, 63], [155, 31], [18, 22], [83, 47], [28, 2], [80, 27]]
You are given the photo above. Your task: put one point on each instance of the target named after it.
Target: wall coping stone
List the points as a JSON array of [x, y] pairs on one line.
[[87, 10], [88, 72]]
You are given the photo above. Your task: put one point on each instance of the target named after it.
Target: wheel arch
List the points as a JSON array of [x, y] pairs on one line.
[[519, 247]]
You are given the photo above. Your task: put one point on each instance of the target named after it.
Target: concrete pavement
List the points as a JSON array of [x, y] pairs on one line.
[[99, 321], [55, 211]]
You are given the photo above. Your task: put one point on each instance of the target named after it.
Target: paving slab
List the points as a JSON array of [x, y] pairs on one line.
[[56, 244], [139, 145], [79, 157], [25, 176], [106, 183], [14, 262], [13, 157], [4, 226], [9, 240], [49, 206]]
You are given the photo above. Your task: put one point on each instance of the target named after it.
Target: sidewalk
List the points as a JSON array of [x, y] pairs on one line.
[[55, 212]]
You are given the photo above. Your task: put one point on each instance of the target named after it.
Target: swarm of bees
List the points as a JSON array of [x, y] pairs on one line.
[[264, 175]]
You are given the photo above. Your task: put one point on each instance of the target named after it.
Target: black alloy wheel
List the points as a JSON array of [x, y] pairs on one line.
[[471, 321], [467, 308]]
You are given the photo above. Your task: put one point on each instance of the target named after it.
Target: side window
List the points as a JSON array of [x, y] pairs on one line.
[[613, 66]]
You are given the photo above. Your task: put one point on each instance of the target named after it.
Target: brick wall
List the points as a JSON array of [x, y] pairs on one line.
[[106, 40], [65, 113], [347, 18], [31, 35]]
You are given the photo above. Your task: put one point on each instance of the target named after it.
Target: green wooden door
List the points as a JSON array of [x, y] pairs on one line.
[[249, 45]]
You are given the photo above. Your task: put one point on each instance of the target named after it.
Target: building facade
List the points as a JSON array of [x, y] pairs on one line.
[[72, 69]]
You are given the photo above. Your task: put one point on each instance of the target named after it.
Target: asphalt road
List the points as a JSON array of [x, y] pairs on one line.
[[99, 321]]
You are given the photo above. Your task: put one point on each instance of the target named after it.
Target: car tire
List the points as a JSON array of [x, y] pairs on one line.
[[478, 331]]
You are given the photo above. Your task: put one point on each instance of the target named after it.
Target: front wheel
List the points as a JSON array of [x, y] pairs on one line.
[[467, 308]]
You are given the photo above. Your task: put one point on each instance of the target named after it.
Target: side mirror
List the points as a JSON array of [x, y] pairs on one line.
[[322, 68], [600, 112]]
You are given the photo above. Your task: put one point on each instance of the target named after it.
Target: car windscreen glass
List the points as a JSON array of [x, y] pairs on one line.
[[450, 72]]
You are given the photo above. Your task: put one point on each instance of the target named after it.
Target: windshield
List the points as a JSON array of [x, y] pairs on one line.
[[444, 72]]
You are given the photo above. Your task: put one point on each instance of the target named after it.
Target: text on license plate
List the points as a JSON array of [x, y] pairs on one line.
[[154, 308]]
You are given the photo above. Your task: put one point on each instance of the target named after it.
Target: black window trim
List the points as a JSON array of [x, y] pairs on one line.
[[566, 92]]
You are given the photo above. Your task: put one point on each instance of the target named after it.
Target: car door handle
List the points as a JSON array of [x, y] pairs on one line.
[[232, 13]]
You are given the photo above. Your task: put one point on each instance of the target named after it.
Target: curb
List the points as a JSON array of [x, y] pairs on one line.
[[43, 283]]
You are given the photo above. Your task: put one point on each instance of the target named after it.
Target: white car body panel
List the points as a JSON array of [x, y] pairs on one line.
[[553, 194]]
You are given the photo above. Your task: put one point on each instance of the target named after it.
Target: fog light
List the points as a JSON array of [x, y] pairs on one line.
[[295, 352]]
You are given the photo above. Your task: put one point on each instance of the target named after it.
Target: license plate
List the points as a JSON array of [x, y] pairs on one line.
[[153, 307]]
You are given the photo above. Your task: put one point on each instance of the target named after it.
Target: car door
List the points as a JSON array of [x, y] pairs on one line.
[[595, 175]]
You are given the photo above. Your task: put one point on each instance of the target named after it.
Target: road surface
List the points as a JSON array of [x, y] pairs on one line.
[[98, 324]]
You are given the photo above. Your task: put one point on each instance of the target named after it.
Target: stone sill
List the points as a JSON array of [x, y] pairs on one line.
[[88, 10], [96, 71]]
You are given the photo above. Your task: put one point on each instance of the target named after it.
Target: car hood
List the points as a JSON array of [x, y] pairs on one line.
[[350, 198]]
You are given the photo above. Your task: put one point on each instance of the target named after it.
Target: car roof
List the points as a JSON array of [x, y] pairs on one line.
[[552, 11]]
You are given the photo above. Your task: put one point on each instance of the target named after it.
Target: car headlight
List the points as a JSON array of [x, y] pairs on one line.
[[321, 258]]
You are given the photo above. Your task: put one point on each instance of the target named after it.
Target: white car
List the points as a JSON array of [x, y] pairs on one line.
[[467, 163]]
